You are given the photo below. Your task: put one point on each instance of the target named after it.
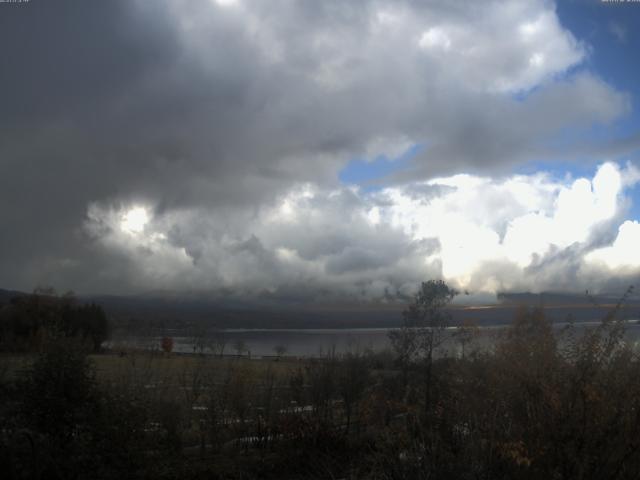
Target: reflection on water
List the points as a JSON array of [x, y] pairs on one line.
[[314, 342]]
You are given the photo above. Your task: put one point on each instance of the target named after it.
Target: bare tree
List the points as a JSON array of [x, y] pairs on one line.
[[218, 341], [240, 347], [423, 329], [280, 350], [198, 339], [353, 378], [465, 334]]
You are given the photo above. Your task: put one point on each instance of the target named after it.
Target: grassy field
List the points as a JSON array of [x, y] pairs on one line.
[[153, 366]]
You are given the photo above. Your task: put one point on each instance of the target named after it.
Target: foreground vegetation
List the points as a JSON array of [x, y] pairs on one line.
[[535, 406]]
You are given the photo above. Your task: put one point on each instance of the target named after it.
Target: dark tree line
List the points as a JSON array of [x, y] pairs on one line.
[[28, 321]]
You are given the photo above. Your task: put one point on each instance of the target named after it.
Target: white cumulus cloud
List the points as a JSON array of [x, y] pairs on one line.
[[516, 233]]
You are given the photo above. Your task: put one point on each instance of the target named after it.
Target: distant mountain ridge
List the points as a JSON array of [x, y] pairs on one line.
[[7, 295], [560, 298], [196, 311]]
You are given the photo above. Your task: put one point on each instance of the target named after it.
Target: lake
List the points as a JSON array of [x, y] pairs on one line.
[[315, 342]]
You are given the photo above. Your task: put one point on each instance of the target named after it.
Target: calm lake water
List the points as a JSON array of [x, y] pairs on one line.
[[315, 342]]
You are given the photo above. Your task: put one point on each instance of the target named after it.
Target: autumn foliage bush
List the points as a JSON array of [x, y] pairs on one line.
[[166, 344]]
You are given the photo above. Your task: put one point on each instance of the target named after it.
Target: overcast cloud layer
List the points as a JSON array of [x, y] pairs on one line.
[[197, 144]]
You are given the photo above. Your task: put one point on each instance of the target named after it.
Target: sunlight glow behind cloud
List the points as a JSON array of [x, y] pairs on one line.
[[226, 3], [134, 220], [478, 233]]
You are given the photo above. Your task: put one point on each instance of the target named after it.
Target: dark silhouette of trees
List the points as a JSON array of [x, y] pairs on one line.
[[96, 324], [353, 379], [30, 320], [540, 403], [79, 429], [59, 390], [422, 332]]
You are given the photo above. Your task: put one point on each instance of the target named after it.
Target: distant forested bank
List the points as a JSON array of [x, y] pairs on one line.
[[152, 315], [540, 404], [29, 322]]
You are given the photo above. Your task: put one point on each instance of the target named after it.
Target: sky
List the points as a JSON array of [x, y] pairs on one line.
[[319, 151]]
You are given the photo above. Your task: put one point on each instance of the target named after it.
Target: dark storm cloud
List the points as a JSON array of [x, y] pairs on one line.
[[212, 114]]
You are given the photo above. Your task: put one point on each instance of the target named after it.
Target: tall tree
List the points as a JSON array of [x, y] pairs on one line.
[[423, 329]]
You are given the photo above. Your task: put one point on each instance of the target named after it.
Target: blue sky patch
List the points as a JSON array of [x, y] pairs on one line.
[[610, 32], [371, 173]]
